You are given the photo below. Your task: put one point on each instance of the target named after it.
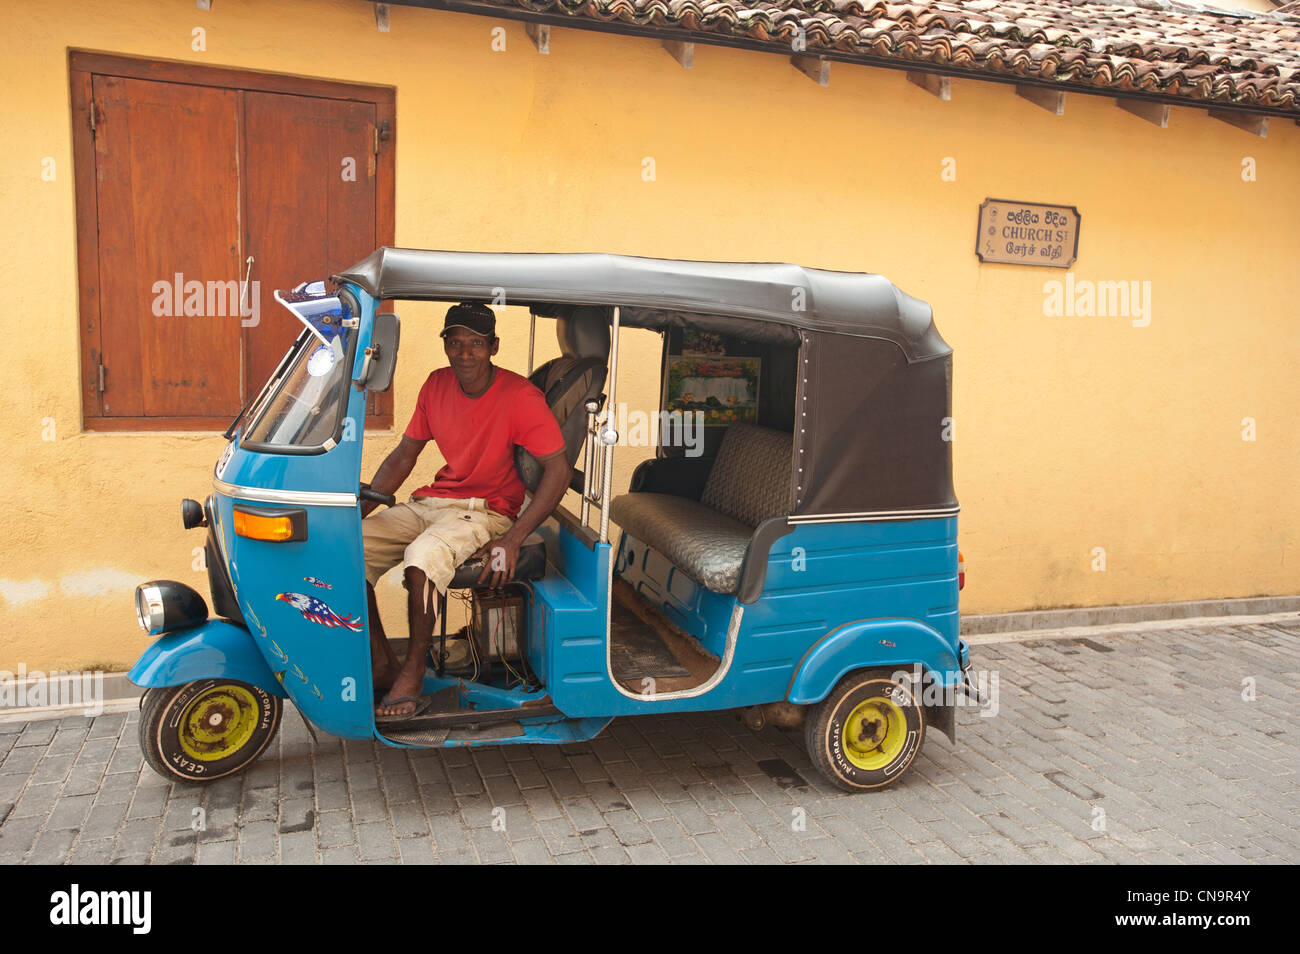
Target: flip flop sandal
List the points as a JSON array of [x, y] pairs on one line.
[[422, 704]]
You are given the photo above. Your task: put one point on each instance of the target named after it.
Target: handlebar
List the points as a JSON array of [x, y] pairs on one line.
[[374, 496]]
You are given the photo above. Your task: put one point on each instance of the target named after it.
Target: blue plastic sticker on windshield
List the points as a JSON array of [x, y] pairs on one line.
[[322, 314]]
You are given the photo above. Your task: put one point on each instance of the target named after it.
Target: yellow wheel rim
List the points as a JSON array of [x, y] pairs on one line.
[[874, 733], [219, 722]]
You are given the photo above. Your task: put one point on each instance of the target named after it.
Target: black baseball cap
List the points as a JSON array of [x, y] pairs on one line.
[[474, 315]]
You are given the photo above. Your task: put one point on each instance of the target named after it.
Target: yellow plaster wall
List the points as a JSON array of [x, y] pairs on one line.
[[1256, 6], [1071, 433]]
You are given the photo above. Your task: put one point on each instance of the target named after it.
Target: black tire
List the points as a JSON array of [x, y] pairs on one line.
[[899, 731], [248, 718]]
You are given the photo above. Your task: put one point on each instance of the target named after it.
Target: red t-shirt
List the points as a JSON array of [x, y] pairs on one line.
[[477, 436]]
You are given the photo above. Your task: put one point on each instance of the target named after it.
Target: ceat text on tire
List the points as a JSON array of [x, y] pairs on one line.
[[206, 730], [866, 732]]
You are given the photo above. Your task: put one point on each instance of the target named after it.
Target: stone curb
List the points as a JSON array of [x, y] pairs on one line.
[[1135, 613]]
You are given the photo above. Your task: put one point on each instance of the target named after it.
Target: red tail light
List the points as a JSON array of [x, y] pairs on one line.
[[961, 571]]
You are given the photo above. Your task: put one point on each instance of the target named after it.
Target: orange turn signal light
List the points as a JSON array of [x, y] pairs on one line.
[[263, 528], [276, 528]]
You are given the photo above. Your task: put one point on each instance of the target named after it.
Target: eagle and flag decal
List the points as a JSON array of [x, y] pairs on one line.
[[317, 611]]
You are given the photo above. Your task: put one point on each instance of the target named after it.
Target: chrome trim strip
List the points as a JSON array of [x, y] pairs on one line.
[[254, 412], [312, 498], [874, 515], [588, 461], [532, 335]]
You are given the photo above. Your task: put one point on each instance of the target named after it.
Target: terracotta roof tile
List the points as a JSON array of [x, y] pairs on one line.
[[1157, 46]]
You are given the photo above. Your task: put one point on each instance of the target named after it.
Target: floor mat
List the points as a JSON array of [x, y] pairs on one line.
[[428, 737], [636, 649]]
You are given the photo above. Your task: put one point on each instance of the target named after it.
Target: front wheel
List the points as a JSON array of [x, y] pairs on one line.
[[866, 732], [206, 730]]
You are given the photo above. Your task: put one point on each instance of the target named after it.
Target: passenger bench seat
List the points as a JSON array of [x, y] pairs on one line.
[[749, 482]]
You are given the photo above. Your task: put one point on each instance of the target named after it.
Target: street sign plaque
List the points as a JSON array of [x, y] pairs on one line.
[[1027, 233]]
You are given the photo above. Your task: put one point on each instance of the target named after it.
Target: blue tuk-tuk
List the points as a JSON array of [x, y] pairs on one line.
[[788, 550]]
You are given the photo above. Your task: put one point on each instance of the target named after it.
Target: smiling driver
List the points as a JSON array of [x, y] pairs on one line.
[[476, 413]]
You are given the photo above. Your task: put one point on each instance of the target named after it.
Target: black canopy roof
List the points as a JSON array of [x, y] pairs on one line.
[[657, 289]]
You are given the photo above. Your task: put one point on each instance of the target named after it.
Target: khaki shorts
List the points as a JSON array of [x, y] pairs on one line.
[[433, 534]]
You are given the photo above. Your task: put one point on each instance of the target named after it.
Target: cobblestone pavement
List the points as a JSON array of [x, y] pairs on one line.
[[1134, 747]]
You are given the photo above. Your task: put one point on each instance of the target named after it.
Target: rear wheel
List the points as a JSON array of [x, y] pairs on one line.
[[866, 732], [206, 730]]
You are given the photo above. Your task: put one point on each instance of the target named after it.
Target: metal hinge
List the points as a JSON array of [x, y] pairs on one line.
[[102, 374], [381, 133], [94, 116]]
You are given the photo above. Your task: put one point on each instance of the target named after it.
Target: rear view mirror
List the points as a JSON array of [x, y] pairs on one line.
[[381, 357]]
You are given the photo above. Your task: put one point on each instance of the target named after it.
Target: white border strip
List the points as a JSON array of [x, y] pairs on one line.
[[724, 666], [872, 515]]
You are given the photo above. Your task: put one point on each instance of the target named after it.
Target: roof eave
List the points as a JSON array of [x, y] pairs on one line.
[[681, 34]]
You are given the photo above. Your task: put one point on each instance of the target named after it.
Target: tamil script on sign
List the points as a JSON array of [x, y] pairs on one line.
[[1027, 233]]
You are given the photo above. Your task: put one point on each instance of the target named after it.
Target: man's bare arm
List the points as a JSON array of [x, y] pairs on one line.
[[556, 474], [392, 473]]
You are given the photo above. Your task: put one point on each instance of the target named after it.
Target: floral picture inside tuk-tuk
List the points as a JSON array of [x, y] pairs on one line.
[[786, 548], [721, 389]]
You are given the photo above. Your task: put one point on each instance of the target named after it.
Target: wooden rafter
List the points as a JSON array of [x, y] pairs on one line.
[[540, 34], [1052, 100], [940, 86], [1247, 121], [816, 68], [683, 53], [1154, 113]]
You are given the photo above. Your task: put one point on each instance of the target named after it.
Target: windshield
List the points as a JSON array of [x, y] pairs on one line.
[[307, 398]]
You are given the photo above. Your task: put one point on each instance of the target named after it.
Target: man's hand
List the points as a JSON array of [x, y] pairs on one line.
[[502, 557], [503, 553], [392, 473]]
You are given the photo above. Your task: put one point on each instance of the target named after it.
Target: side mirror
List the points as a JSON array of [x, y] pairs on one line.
[[381, 357]]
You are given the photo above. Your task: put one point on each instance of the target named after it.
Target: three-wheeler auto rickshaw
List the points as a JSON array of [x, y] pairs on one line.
[[796, 563]]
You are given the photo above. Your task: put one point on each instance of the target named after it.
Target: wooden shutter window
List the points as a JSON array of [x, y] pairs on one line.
[[182, 174]]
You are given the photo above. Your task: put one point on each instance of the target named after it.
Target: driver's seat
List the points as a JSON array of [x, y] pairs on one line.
[[568, 382], [531, 565]]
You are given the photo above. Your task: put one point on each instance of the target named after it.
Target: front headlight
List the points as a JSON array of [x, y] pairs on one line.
[[162, 606], [148, 607]]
